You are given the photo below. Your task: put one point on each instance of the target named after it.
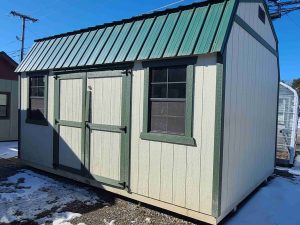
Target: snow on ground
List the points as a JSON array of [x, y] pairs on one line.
[[276, 203], [28, 195], [8, 149], [294, 170]]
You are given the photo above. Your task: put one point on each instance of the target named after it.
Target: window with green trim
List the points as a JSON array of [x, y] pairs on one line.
[[37, 102], [4, 105], [168, 101]]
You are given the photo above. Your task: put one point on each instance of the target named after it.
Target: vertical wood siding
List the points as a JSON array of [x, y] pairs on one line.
[[250, 116], [105, 109], [9, 127], [36, 140], [249, 13], [177, 174]]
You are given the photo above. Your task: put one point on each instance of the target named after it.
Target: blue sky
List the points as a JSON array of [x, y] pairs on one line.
[[58, 16]]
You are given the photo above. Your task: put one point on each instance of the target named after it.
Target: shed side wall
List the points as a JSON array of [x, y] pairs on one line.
[[37, 140], [9, 127], [249, 13], [250, 117], [173, 173]]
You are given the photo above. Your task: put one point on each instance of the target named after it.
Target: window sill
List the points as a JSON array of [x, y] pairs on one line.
[[37, 122], [174, 139]]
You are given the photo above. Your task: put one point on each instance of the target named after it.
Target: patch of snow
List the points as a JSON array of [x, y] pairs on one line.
[[109, 223], [294, 170], [297, 161], [81, 224], [277, 203], [148, 220], [8, 149], [27, 194]]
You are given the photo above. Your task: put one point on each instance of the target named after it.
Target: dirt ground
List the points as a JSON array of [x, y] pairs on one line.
[[113, 210]]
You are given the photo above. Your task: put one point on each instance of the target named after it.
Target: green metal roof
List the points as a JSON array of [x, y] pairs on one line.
[[194, 29]]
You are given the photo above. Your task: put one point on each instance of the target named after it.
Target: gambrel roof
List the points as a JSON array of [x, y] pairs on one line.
[[189, 30]]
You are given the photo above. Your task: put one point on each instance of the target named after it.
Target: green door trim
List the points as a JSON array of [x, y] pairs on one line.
[[87, 127]]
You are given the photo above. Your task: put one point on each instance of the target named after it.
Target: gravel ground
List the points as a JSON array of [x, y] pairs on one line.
[[112, 210]]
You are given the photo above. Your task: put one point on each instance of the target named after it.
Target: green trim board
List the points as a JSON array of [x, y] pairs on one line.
[[255, 35], [187, 138], [218, 137], [105, 127], [184, 31], [8, 105]]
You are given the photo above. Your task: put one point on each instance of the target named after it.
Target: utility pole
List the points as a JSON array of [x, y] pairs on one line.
[[24, 19]]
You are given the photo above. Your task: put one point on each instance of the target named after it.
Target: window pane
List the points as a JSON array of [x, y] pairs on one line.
[[34, 91], [158, 91], [159, 75], [158, 124], [176, 108], [176, 125], [41, 91], [3, 99], [176, 90], [3, 111], [177, 74], [33, 81], [37, 108], [40, 81], [159, 108]]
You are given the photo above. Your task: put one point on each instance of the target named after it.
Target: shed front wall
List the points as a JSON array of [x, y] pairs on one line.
[[249, 116], [9, 126], [177, 174]]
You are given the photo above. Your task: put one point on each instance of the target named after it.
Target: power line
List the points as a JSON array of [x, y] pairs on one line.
[[24, 19]]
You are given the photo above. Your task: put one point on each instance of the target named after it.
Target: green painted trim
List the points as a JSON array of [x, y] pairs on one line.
[[187, 138], [104, 76], [254, 34], [108, 181], [67, 123], [278, 88], [69, 169], [55, 125], [43, 122], [87, 134], [218, 138], [8, 110], [109, 128], [67, 76], [168, 138], [267, 13], [83, 124], [170, 62]]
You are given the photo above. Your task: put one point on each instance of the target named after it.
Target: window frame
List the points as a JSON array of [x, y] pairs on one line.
[[43, 122], [187, 138], [8, 99]]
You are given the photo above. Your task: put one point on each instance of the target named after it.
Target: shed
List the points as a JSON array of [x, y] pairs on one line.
[[175, 108], [8, 98], [287, 124]]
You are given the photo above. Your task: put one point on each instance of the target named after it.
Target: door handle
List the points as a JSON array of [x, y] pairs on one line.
[[124, 129]]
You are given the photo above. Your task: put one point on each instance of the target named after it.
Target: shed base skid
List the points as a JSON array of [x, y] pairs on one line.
[[153, 202]]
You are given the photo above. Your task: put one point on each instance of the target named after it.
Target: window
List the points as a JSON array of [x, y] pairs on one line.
[[37, 99], [261, 14], [4, 105], [168, 101]]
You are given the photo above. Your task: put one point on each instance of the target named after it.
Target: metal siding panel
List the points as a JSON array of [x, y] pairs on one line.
[[83, 48], [37, 56], [91, 47], [223, 27], [118, 44], [129, 41], [48, 55], [178, 34], [152, 37], [76, 49], [209, 29], [193, 31], [67, 51], [55, 52], [139, 41], [31, 52], [61, 51], [99, 46], [109, 44], [164, 36], [34, 54]]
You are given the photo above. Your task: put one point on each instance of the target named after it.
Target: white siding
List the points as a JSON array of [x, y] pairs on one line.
[[9, 127], [249, 13], [250, 116], [36, 140], [172, 173]]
